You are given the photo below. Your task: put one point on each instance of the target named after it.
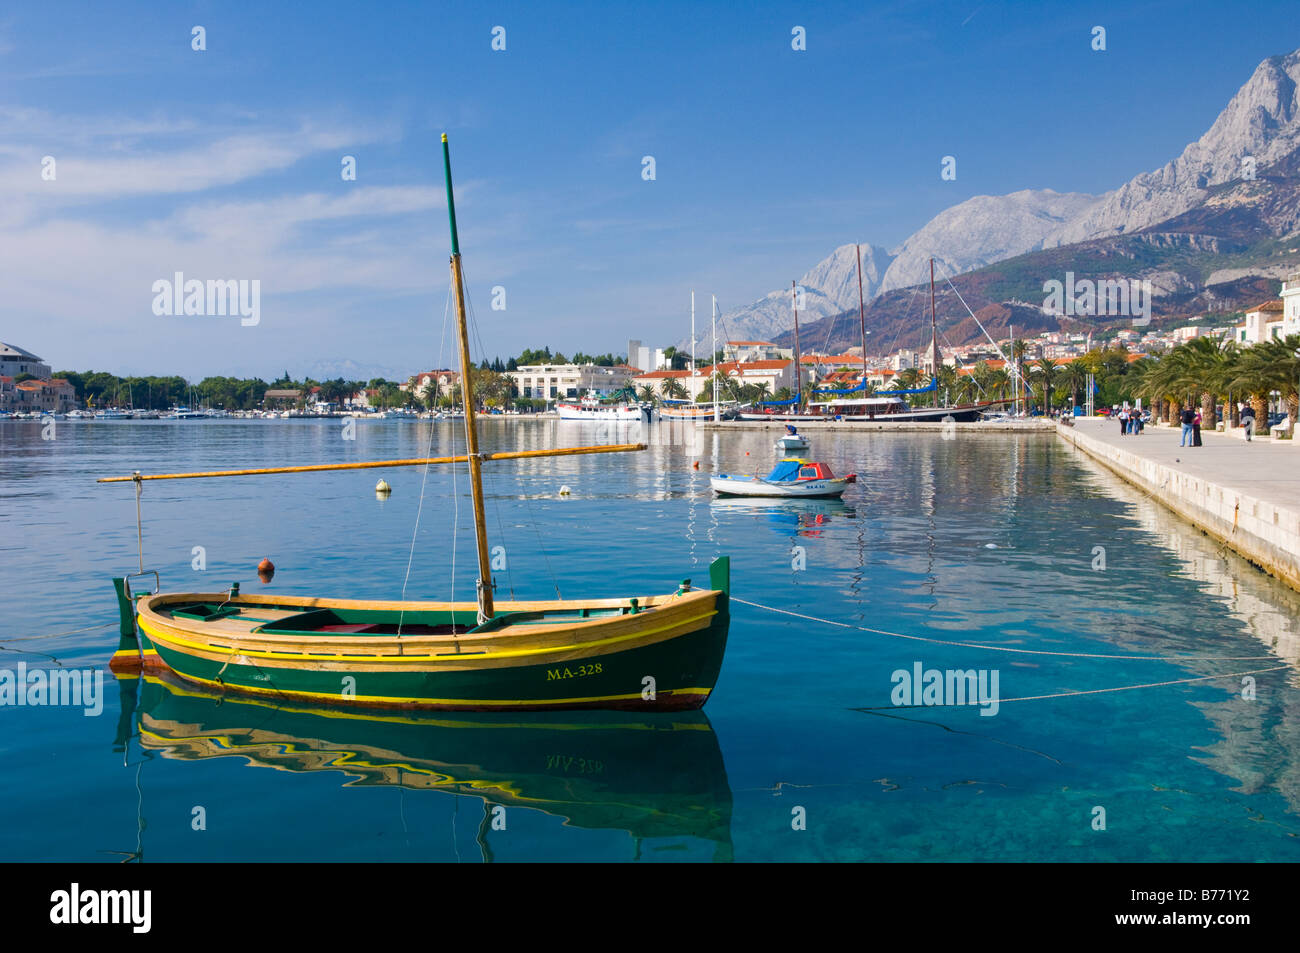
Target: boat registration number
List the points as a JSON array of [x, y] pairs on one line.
[[582, 670]]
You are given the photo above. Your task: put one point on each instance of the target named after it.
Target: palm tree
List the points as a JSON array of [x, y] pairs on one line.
[[1075, 378], [1048, 371], [1266, 367], [672, 389], [1019, 348], [646, 394]]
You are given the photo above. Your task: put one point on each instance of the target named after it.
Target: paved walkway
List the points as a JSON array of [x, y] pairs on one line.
[[1245, 494], [1266, 469]]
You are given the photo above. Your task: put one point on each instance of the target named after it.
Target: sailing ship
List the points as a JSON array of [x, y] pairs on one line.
[[656, 652], [692, 409]]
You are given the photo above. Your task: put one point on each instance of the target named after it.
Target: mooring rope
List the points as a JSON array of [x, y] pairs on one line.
[[1087, 691], [1007, 648], [58, 635]]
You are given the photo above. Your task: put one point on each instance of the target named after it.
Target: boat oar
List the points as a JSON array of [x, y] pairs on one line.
[[373, 464]]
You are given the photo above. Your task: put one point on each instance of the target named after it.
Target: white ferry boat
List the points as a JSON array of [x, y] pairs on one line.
[[591, 408]]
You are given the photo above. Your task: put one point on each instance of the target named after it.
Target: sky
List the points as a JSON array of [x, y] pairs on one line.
[[226, 163]]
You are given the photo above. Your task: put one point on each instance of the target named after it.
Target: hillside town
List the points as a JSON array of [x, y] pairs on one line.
[[744, 371]]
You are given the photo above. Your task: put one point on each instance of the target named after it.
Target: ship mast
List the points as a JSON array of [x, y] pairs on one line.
[[691, 395], [862, 316], [934, 338], [714, 362], [798, 374], [483, 584]]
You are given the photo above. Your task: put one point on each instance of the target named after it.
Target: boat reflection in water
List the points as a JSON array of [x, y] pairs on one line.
[[653, 775], [808, 517]]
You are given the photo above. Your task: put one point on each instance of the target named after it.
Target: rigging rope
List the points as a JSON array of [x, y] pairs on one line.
[[1011, 649], [424, 479]]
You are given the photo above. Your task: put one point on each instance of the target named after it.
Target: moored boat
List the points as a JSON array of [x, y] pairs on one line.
[[650, 652], [791, 477]]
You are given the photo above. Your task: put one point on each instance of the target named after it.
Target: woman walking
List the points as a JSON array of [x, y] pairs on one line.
[[1196, 430]]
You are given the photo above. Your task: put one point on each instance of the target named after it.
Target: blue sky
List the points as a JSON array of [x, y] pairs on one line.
[[226, 163]]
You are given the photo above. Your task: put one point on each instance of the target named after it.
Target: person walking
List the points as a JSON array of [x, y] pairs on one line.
[[1123, 422], [1186, 417], [1248, 420], [1140, 422], [1196, 430]]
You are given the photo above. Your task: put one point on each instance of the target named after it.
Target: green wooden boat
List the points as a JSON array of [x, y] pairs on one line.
[[652, 652]]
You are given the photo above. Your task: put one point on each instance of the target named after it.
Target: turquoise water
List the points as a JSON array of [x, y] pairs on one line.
[[983, 538]]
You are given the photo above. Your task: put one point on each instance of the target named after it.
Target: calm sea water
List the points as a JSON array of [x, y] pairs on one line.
[[799, 755]]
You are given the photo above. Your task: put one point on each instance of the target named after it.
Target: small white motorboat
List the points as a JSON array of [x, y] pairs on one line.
[[789, 478], [791, 442]]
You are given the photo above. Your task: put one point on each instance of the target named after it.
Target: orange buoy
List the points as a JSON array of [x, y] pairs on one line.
[[697, 464], [266, 571]]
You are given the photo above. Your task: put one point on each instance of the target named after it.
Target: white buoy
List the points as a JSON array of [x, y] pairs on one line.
[[382, 489], [564, 491]]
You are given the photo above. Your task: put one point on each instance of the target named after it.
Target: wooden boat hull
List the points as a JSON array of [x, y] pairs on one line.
[[663, 654], [753, 486]]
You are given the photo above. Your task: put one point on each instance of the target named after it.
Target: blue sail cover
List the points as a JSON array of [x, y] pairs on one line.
[[934, 385], [784, 471], [779, 403], [840, 393]]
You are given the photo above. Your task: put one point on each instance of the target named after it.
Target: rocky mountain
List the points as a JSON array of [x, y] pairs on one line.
[[1259, 127], [1235, 186], [982, 230]]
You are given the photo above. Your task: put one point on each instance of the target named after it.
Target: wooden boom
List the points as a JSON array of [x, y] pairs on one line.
[[374, 464]]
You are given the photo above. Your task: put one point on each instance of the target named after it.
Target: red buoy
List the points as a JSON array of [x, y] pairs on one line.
[[266, 571]]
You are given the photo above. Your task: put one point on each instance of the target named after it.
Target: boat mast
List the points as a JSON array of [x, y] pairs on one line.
[[934, 338], [862, 316], [714, 362], [798, 374], [691, 395], [483, 584]]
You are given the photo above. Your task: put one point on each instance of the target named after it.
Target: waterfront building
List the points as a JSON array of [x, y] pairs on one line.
[[420, 384], [55, 396], [1263, 322], [551, 381], [15, 361], [273, 398]]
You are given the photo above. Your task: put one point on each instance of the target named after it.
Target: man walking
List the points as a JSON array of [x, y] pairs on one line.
[[1248, 420], [1186, 417]]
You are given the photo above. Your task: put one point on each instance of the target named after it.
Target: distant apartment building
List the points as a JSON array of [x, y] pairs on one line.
[[904, 359], [1291, 305], [14, 361], [741, 352], [775, 374], [40, 393], [645, 358], [551, 381]]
